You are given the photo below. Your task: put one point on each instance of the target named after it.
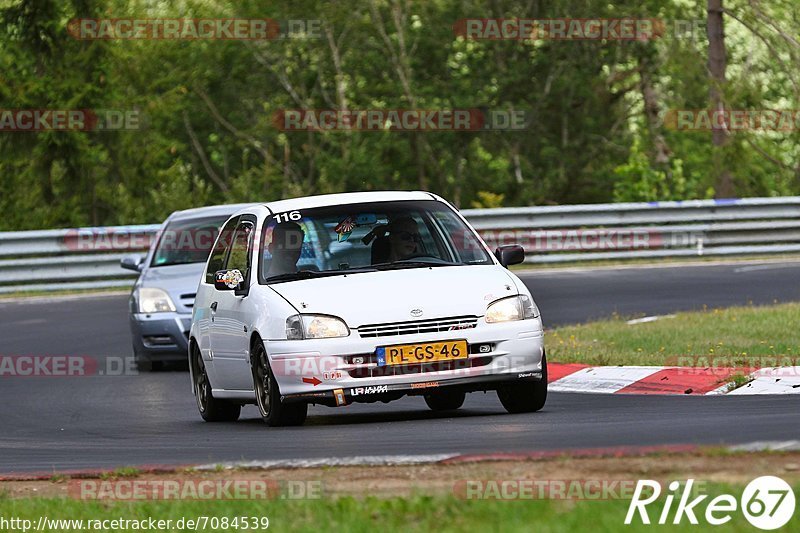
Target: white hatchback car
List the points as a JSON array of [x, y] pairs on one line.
[[360, 297]]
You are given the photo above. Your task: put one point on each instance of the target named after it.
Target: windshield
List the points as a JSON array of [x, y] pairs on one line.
[[187, 241], [370, 236]]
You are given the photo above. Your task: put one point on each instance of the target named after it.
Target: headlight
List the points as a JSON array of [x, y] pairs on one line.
[[514, 308], [153, 300], [315, 327]]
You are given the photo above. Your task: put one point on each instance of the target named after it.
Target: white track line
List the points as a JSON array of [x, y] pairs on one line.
[[646, 319], [362, 460], [767, 445], [400, 460]]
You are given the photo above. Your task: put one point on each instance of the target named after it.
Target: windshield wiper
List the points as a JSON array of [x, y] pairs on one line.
[[307, 274], [300, 274], [413, 264]]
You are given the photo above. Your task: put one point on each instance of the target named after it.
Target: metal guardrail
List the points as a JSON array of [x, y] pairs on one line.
[[82, 258], [89, 257]]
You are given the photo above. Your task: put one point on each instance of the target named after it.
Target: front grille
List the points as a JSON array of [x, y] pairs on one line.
[[418, 326]]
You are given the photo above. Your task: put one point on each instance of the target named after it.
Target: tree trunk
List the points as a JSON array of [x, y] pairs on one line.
[[660, 153], [717, 63]]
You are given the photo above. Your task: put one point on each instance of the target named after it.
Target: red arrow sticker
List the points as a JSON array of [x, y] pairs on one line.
[[314, 381]]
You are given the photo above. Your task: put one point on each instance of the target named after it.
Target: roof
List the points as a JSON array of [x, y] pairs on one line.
[[308, 202], [209, 211]]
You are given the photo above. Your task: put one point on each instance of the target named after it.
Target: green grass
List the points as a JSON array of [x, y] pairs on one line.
[[418, 513], [736, 336], [122, 472]]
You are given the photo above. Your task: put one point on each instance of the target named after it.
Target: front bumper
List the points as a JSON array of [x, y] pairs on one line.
[[393, 391], [341, 371], [161, 336]]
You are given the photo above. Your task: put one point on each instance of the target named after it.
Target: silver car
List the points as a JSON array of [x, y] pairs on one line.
[[160, 306]]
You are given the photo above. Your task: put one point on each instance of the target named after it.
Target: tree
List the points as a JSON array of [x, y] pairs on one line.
[[717, 64]]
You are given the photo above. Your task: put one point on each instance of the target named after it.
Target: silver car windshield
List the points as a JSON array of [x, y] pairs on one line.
[[187, 241], [371, 236]]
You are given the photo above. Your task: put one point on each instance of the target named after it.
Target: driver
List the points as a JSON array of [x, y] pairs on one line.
[[285, 247], [404, 239]]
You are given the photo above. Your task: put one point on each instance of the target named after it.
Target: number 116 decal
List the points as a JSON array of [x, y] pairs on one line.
[[287, 216]]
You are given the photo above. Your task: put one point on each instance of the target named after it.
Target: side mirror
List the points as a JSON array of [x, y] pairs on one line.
[[511, 254], [132, 262], [228, 280]]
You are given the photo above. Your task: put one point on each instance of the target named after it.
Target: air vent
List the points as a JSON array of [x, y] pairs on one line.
[[418, 326]]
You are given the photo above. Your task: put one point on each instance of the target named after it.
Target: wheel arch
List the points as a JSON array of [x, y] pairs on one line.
[[255, 337], [192, 345]]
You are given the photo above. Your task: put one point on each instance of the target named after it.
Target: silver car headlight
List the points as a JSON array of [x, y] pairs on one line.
[[152, 300], [514, 308], [315, 327]]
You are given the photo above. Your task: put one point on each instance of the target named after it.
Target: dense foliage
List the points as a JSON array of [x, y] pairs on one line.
[[207, 134]]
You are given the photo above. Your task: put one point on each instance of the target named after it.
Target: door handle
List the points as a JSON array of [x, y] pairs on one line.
[[213, 307]]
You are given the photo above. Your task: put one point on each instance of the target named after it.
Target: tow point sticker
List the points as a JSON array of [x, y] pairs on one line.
[[338, 394]]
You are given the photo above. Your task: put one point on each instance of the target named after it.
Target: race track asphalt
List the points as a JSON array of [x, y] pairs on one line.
[[63, 423]]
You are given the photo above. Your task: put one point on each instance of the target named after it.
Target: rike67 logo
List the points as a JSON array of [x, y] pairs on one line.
[[767, 502]]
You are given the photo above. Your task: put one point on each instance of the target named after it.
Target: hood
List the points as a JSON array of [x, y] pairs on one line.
[[180, 281], [390, 296]]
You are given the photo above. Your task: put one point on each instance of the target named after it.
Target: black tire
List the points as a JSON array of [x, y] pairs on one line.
[[445, 401], [268, 396], [527, 396], [211, 409]]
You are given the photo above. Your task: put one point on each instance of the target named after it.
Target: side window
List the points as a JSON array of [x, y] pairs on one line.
[[310, 247], [239, 258], [217, 258], [467, 248]]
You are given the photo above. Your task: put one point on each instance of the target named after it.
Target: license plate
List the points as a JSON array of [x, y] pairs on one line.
[[409, 354]]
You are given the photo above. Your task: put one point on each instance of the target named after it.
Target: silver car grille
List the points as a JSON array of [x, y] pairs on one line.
[[418, 326]]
